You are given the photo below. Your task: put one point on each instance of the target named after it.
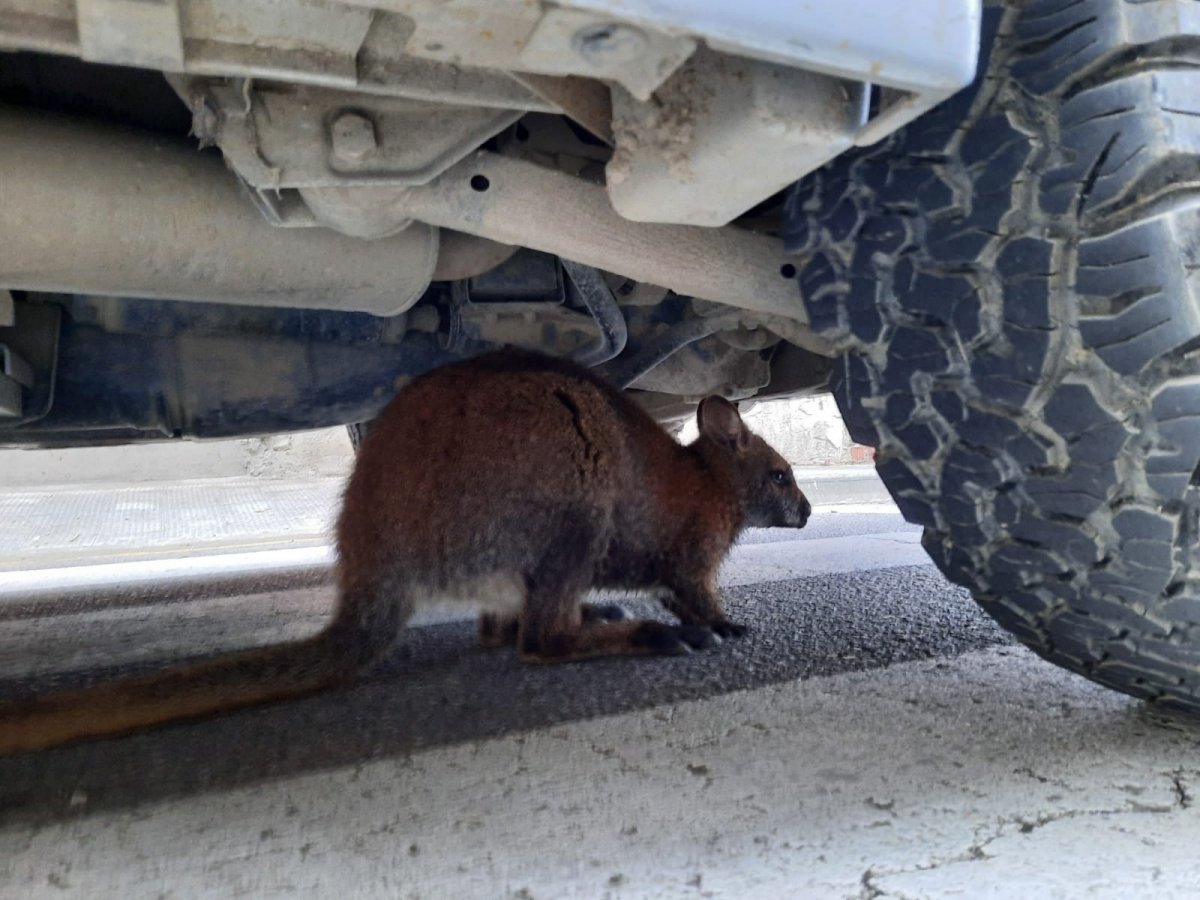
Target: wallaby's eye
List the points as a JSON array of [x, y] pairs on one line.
[[779, 477]]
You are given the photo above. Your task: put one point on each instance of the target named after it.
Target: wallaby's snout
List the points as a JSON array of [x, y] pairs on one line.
[[800, 510]]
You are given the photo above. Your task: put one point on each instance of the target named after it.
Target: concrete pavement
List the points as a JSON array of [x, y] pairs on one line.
[[989, 775]]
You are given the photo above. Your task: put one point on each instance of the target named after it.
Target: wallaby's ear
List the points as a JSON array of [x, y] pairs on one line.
[[720, 420]]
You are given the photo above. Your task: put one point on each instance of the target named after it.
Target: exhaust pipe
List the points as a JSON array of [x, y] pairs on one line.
[[89, 208]]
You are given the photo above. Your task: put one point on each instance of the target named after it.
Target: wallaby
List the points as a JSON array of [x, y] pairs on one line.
[[515, 481]]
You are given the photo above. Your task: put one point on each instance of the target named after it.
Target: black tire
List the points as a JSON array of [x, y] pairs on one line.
[[1013, 282]]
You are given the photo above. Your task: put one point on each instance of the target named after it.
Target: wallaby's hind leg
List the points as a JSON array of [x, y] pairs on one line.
[[552, 628], [499, 630], [634, 637]]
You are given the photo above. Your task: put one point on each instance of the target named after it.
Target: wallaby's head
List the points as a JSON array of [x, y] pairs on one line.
[[769, 494]]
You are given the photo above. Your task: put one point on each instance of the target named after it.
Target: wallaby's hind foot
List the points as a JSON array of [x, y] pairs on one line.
[[632, 637], [500, 630], [553, 627]]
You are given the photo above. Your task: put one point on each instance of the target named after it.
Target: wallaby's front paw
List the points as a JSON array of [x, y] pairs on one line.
[[674, 640], [727, 629]]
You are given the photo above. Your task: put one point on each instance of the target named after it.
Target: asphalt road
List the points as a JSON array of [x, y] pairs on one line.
[[872, 732]]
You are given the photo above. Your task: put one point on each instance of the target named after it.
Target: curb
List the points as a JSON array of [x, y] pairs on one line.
[[831, 485], [227, 535]]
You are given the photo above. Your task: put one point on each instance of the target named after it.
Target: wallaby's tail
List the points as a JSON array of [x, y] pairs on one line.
[[182, 692]]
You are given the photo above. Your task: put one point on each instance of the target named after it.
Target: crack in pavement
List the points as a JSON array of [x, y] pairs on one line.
[[1183, 796], [1020, 824]]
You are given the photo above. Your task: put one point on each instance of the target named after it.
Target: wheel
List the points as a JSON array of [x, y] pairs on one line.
[[1012, 281]]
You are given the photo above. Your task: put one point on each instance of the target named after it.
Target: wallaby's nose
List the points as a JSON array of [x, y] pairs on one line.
[[805, 511]]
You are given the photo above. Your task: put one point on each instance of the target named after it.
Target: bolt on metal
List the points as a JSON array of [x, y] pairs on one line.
[[353, 137], [609, 43]]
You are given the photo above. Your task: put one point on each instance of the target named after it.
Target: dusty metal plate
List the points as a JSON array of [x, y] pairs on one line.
[[920, 45], [292, 136], [721, 114]]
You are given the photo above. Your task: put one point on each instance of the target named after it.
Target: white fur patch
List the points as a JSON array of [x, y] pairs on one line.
[[497, 592]]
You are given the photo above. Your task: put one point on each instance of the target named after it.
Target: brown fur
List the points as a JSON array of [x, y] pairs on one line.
[[515, 474]]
